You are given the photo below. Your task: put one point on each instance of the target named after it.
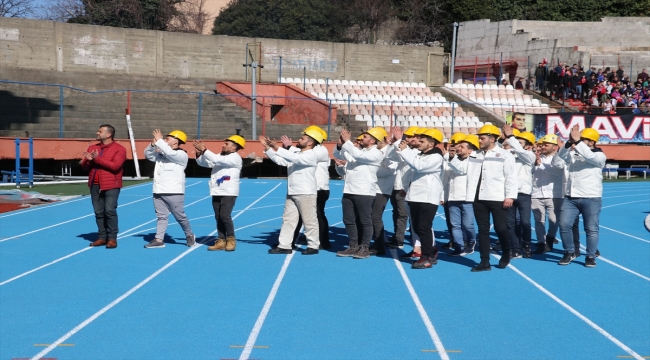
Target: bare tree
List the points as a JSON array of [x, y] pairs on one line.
[[192, 17], [16, 8], [62, 10], [368, 16], [425, 21]]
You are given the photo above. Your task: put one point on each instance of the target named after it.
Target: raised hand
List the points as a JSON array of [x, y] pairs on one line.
[[345, 135], [402, 145], [575, 134], [94, 154], [286, 141], [157, 135], [397, 133], [199, 145], [507, 131]]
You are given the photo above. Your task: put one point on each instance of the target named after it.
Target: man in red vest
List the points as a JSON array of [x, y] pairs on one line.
[[105, 162]]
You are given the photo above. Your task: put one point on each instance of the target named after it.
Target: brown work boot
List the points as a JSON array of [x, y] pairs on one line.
[[98, 242], [231, 243], [111, 244], [220, 244]]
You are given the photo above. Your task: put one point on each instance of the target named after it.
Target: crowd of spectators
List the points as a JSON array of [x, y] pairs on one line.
[[596, 90]]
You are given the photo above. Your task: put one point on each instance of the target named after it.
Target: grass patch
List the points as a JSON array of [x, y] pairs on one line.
[[73, 189]]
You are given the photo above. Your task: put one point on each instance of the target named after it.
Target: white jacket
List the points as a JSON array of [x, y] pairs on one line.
[[548, 178], [169, 173], [301, 169], [361, 169], [524, 162], [222, 166], [426, 183], [585, 170], [403, 171], [499, 176], [323, 168], [387, 172], [455, 182]]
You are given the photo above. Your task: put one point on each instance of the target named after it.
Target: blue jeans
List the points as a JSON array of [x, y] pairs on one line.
[[519, 226], [461, 215], [105, 207], [590, 210]]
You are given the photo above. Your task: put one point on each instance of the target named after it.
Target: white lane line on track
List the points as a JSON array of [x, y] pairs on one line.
[[252, 337], [423, 313], [92, 318], [622, 233], [618, 265], [65, 202], [625, 203], [602, 331], [65, 222], [619, 196], [126, 233]]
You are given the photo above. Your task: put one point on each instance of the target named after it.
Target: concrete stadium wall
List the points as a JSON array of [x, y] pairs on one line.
[[608, 42], [72, 48]]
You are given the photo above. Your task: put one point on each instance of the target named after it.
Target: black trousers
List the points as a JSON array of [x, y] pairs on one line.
[[400, 215], [422, 215], [448, 220], [323, 225], [105, 207], [482, 211], [378, 207], [357, 214], [223, 206]]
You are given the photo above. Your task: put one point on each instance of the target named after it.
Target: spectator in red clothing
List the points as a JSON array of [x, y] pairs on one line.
[[643, 76], [105, 162]]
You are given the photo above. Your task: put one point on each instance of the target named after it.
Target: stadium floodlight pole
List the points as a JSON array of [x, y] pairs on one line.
[[254, 65], [453, 54]]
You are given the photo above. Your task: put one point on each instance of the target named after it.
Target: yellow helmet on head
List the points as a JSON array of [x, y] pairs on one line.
[[360, 137], [378, 133], [237, 139], [410, 131], [435, 134], [550, 139], [472, 139], [528, 136], [457, 137], [515, 132], [314, 134], [489, 130], [178, 135], [591, 134], [317, 128], [420, 131]]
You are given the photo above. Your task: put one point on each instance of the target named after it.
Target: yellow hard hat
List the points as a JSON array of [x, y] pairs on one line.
[[527, 135], [435, 134], [378, 133], [515, 132], [420, 131], [457, 137], [410, 131], [178, 135], [590, 133], [550, 138], [314, 134], [472, 139], [317, 128], [489, 130], [237, 139], [360, 137]]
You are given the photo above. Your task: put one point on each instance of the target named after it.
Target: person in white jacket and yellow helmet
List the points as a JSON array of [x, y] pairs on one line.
[[425, 191], [169, 184], [224, 186], [584, 191], [301, 190], [492, 185]]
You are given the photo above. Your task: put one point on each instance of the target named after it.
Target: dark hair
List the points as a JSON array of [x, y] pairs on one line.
[[471, 146], [111, 129], [517, 113]]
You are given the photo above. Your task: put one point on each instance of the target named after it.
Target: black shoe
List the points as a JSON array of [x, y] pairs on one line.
[[422, 264], [469, 248], [348, 252], [449, 245], [496, 246], [576, 252], [457, 252], [504, 261], [541, 249], [395, 245], [325, 245], [278, 250], [597, 253], [363, 252], [590, 262], [310, 251], [549, 243], [514, 254], [527, 252], [483, 266], [374, 251], [567, 258]]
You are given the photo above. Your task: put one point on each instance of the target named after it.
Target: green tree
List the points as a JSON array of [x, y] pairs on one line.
[[139, 14], [283, 19]]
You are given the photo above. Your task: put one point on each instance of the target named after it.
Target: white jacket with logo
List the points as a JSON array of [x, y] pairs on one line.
[[361, 169], [524, 162], [169, 172], [426, 183], [585, 168], [456, 180], [548, 178], [499, 179], [301, 169], [222, 166]]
